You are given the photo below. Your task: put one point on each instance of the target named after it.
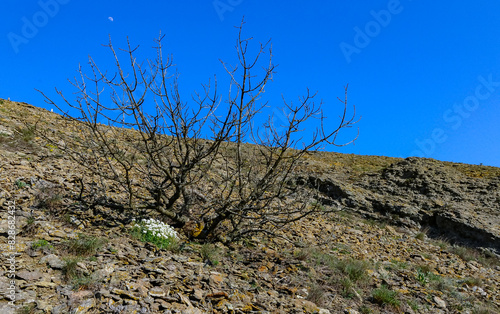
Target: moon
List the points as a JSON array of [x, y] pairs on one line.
[[111, 18]]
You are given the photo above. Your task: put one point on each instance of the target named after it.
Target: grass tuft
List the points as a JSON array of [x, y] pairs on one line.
[[85, 245], [385, 296], [26, 133], [210, 253]]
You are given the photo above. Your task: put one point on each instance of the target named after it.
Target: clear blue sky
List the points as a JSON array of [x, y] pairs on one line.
[[424, 75]]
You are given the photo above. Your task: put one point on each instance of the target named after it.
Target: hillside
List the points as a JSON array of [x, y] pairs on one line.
[[396, 236]]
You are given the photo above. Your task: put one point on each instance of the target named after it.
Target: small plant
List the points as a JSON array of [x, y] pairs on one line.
[[420, 236], [27, 309], [85, 245], [70, 269], [473, 281], [424, 269], [399, 264], [49, 198], [156, 232], [413, 305], [84, 282], [41, 244], [20, 184], [27, 133], [443, 244], [346, 287], [316, 295], [442, 284], [482, 309], [4, 137], [303, 254], [422, 278], [365, 310], [30, 227], [76, 276], [356, 270], [486, 258], [318, 205], [210, 254], [384, 295]]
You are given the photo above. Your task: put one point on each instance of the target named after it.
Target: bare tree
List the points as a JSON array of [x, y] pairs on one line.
[[191, 163], [258, 191]]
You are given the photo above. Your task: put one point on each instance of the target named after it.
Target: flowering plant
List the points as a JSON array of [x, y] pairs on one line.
[[156, 232]]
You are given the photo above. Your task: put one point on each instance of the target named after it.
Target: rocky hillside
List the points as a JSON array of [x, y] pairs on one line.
[[396, 236]]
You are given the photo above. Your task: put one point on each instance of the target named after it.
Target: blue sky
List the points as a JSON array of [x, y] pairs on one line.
[[424, 76]]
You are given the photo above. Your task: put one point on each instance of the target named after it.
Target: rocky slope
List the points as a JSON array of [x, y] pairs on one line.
[[397, 236]]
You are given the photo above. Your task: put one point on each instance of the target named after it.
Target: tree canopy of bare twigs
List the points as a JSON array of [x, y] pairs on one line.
[[195, 164]]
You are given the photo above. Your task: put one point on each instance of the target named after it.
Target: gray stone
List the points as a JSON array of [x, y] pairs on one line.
[[60, 309], [440, 302], [53, 260], [84, 307], [29, 276]]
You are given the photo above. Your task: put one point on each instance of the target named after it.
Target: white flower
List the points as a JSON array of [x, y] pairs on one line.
[[157, 228]]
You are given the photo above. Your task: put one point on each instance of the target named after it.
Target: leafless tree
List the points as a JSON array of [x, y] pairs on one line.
[[192, 163]]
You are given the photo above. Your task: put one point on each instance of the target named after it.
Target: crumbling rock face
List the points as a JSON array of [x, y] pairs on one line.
[[426, 193]]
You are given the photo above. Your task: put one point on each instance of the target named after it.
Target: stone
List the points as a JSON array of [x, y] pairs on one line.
[[105, 271], [53, 260], [60, 309], [79, 295], [439, 302], [85, 306], [125, 294], [198, 294], [307, 306], [26, 296], [45, 284], [157, 292], [29, 276]]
